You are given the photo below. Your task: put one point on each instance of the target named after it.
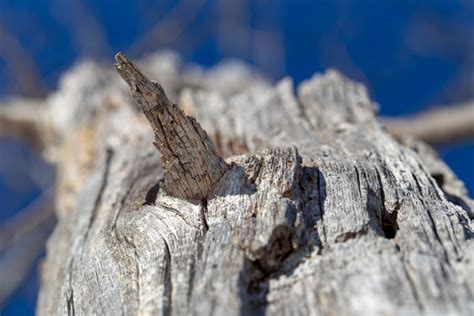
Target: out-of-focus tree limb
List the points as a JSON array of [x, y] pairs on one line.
[[441, 126], [22, 240], [28, 121], [86, 31], [170, 27], [21, 64], [27, 220]]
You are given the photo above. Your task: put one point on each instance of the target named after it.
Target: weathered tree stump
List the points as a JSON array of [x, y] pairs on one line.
[[316, 209]]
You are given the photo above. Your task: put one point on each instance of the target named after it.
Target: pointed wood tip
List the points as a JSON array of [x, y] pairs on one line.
[[147, 93], [128, 71], [120, 57], [192, 165]]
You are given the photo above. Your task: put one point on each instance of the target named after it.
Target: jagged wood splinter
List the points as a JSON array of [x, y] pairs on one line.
[[192, 165]]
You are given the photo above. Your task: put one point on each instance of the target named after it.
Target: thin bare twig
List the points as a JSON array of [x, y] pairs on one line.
[[170, 27], [22, 240], [86, 30], [21, 64], [39, 212]]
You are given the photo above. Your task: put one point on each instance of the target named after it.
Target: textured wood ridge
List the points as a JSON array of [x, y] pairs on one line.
[[192, 166], [320, 211]]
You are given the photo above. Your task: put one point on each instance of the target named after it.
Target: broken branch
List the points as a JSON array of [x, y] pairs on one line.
[[192, 165]]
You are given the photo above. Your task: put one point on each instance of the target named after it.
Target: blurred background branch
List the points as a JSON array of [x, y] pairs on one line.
[[440, 126], [169, 28], [22, 240], [21, 64], [87, 33], [27, 120]]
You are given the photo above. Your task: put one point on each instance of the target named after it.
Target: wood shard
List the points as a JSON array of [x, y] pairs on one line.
[[188, 156]]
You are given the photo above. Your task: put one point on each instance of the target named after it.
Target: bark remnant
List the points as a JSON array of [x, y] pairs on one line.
[[192, 165]]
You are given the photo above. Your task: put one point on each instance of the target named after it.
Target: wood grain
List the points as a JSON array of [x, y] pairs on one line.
[[321, 212], [192, 165]]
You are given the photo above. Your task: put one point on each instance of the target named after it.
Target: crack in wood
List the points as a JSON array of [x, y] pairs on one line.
[[321, 198], [152, 194], [168, 299], [203, 212], [387, 220], [70, 304]]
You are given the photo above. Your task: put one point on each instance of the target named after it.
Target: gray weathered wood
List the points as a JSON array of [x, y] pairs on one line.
[[321, 212], [192, 166]]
